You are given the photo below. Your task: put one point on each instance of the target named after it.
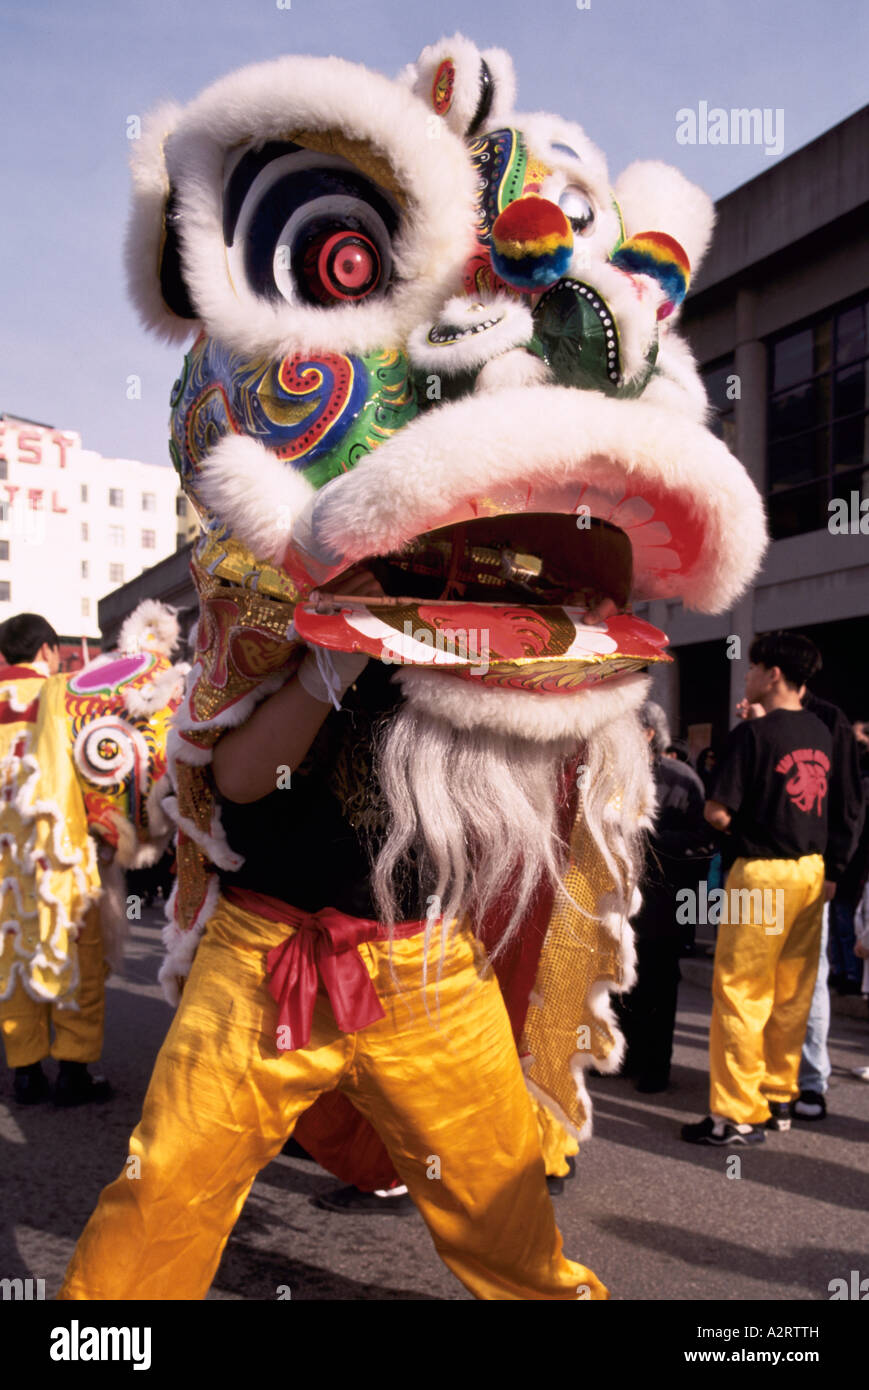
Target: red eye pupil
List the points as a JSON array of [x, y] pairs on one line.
[[354, 268], [342, 265]]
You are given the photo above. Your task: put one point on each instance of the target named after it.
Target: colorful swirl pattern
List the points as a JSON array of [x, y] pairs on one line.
[[321, 414]]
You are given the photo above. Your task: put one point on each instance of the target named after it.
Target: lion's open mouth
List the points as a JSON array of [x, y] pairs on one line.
[[500, 599], [532, 558]]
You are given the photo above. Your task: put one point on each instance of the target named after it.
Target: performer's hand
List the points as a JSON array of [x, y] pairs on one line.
[[861, 950], [746, 710], [601, 609], [829, 891]]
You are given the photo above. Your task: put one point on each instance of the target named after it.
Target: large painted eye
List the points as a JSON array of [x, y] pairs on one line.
[[108, 750], [308, 227], [577, 208]]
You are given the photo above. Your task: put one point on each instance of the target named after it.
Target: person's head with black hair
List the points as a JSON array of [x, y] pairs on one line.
[[27, 638], [679, 750], [781, 666]]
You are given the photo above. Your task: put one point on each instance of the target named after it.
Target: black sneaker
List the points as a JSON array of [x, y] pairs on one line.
[[779, 1116], [719, 1132], [555, 1183], [809, 1105], [394, 1201], [30, 1085], [76, 1086]]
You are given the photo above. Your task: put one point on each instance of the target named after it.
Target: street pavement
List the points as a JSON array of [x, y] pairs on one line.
[[653, 1217]]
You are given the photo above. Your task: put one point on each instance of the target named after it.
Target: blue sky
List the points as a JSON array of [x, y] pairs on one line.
[[73, 73]]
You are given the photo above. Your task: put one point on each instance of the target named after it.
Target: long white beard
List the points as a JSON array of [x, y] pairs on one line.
[[478, 808], [478, 812]]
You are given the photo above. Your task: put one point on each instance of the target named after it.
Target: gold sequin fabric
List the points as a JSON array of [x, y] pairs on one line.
[[562, 1031]]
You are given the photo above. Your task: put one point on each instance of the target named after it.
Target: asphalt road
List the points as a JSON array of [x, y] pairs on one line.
[[653, 1217]]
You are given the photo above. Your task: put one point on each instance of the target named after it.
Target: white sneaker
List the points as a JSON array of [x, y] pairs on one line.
[[861, 1072]]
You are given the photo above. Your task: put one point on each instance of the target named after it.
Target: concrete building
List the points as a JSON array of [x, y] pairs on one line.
[[779, 321], [74, 525]]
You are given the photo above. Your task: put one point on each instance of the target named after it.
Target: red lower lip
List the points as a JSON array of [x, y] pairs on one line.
[[524, 648]]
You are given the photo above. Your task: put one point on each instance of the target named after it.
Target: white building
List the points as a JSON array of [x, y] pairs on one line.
[[75, 525]]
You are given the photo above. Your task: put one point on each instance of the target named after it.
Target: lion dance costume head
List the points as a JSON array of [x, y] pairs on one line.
[[433, 337]]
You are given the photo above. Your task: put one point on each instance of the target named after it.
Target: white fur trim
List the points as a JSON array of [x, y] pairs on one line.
[[520, 713], [676, 384], [213, 842], [655, 197], [271, 101], [151, 627], [142, 701], [511, 370], [254, 492], [145, 225], [466, 87], [554, 436], [490, 328], [181, 946]]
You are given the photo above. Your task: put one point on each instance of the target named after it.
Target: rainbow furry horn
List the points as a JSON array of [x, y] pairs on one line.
[[660, 256]]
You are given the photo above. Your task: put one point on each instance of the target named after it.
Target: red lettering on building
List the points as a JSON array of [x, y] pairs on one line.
[[63, 442], [29, 447]]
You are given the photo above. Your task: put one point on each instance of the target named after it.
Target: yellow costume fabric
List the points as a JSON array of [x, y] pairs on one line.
[[765, 969], [48, 868], [444, 1089], [78, 1033]]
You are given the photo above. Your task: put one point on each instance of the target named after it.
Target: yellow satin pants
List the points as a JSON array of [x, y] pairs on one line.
[[78, 1034], [765, 968], [445, 1092]]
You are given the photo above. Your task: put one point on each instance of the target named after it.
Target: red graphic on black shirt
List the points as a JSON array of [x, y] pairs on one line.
[[807, 786]]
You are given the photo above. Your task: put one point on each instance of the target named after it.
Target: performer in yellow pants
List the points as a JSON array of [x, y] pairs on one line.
[[78, 1034], [765, 968], [222, 1100]]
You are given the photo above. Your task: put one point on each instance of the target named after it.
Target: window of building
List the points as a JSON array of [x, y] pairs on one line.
[[4, 510], [149, 501], [818, 418], [84, 570], [116, 573], [4, 468], [116, 497], [116, 535], [84, 492], [180, 505], [4, 550], [722, 388], [85, 607], [5, 591], [84, 531], [149, 540]]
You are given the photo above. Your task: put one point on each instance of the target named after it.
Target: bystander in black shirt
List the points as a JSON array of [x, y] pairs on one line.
[[774, 779]]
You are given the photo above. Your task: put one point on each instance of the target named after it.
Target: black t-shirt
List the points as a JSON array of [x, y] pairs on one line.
[[774, 779], [311, 843]]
